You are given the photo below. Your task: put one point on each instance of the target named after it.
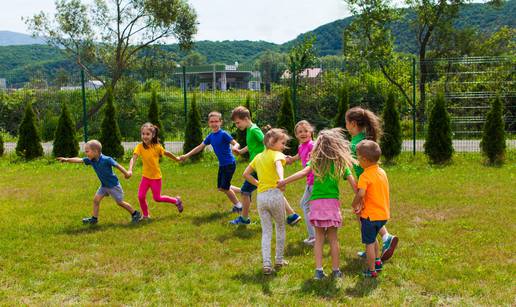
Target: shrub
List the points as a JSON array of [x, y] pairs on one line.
[[340, 119], [493, 138], [286, 121], [65, 143], [154, 116], [391, 140], [29, 142], [110, 132], [438, 143], [1, 145], [193, 131]]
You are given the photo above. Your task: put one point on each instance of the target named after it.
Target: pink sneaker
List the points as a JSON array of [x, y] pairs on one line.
[[179, 204]]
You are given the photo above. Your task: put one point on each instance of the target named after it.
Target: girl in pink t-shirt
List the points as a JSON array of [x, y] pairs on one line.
[[304, 134]]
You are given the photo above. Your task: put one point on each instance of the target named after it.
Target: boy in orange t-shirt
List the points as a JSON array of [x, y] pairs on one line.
[[371, 202]]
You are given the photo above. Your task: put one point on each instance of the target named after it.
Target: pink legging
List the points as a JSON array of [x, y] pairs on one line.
[[155, 186]]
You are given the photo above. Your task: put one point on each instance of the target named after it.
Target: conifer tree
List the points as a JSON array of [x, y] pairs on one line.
[[193, 131], [286, 121], [391, 140], [29, 141], [65, 143], [493, 138], [438, 143], [110, 136], [154, 115]]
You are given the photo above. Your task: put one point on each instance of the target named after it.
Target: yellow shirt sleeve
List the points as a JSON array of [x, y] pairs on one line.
[[138, 150]]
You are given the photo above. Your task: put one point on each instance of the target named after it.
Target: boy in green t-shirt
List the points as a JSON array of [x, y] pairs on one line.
[[254, 139]]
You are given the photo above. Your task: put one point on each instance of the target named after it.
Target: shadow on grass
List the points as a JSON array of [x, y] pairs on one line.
[[209, 218], [87, 229], [326, 288], [257, 278], [364, 286], [297, 249], [242, 232]]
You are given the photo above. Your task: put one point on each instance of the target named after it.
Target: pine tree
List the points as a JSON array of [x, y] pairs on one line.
[[438, 144], [1, 145], [65, 143], [110, 136], [29, 142], [154, 115], [286, 121], [391, 140], [493, 138], [340, 119], [193, 131]]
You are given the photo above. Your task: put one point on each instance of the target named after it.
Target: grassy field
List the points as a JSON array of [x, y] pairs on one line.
[[455, 223]]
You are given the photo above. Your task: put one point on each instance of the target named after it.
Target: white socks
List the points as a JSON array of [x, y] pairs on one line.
[[385, 237], [238, 205]]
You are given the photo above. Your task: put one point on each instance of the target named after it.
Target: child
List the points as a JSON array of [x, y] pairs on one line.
[[220, 140], [268, 165], [304, 134], [254, 139], [109, 184], [364, 124], [150, 150], [330, 160], [371, 202]]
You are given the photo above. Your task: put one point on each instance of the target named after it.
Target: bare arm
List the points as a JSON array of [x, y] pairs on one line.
[[358, 201], [279, 169], [300, 174], [352, 183], [131, 164], [242, 151], [192, 152], [247, 175], [70, 160], [171, 156], [127, 175], [291, 160]]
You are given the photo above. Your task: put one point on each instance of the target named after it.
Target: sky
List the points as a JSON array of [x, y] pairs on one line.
[[276, 21]]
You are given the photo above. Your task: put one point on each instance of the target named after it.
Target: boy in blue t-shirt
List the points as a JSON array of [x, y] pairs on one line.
[[220, 140], [109, 184]]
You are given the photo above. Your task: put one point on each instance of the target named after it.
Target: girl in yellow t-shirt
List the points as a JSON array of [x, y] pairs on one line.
[[150, 150]]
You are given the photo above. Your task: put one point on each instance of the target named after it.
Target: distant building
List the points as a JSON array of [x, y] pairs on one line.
[[307, 73], [3, 84], [221, 77], [90, 84]]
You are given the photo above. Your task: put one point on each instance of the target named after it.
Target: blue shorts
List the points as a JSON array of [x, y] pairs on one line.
[[370, 230], [116, 192], [225, 175], [248, 188]]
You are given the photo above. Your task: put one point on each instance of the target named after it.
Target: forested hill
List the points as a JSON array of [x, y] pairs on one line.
[[19, 61]]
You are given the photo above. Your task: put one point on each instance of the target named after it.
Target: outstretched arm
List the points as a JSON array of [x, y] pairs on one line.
[[248, 177], [291, 160], [171, 156], [296, 176], [192, 152], [242, 151], [352, 183], [70, 160], [127, 175], [131, 164]]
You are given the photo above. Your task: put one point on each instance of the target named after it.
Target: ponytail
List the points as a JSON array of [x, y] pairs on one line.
[[365, 119]]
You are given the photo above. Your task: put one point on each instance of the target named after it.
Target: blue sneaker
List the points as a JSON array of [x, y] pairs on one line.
[[136, 217], [378, 265], [236, 209], [293, 219], [362, 254], [240, 221], [388, 247], [90, 220], [370, 274], [319, 275], [336, 274]]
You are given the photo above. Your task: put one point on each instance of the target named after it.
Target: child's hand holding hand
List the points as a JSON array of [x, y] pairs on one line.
[[61, 159], [182, 158], [358, 208], [129, 174], [236, 152], [280, 184], [288, 160]]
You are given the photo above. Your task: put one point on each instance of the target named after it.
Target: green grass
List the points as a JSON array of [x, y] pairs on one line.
[[455, 223]]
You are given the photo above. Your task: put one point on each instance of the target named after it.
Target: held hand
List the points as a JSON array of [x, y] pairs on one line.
[[182, 158], [281, 184], [236, 152], [358, 208], [288, 160], [61, 159], [128, 175]]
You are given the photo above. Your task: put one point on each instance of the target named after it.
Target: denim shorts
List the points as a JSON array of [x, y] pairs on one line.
[[370, 230], [116, 192], [248, 188], [225, 175]]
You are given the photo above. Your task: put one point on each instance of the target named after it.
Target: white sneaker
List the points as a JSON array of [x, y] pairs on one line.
[[309, 241]]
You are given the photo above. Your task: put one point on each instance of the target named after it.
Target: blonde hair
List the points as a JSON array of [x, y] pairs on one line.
[[365, 119], [95, 145], [304, 123], [240, 113], [369, 150], [274, 135], [215, 114], [331, 148]]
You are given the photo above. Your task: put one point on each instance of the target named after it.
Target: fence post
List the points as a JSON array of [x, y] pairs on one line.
[[413, 106], [184, 94], [294, 90], [84, 115]]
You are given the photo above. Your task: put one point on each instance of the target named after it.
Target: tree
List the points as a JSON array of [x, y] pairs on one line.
[[65, 143], [111, 33], [286, 121], [340, 119], [194, 58], [493, 138], [271, 66], [110, 132], [391, 140], [29, 142], [154, 115], [193, 131], [438, 143], [1, 145]]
